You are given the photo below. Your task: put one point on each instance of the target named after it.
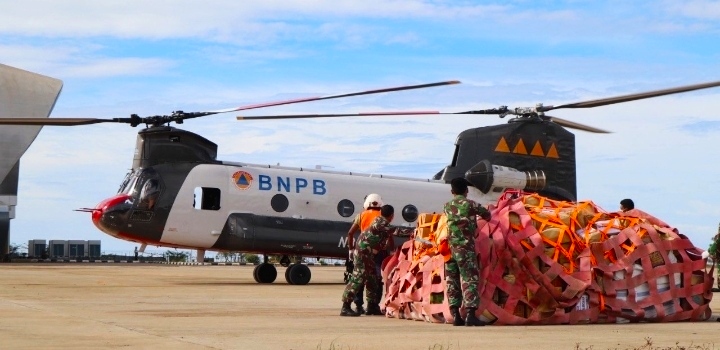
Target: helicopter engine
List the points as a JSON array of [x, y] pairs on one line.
[[497, 178]]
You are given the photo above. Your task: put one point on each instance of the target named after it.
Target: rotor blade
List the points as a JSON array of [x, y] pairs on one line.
[[500, 110], [337, 115], [56, 121], [328, 97], [578, 126], [633, 97]]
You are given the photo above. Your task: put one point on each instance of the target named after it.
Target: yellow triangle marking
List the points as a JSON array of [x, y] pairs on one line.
[[520, 148], [537, 150], [502, 146], [552, 152]]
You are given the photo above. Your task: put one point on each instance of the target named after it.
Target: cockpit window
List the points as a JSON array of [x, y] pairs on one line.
[[149, 193]]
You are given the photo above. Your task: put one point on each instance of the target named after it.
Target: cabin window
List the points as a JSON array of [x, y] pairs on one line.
[[410, 213], [206, 198], [279, 203], [346, 208]]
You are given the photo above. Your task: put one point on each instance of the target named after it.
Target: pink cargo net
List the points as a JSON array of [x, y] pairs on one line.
[[553, 262]]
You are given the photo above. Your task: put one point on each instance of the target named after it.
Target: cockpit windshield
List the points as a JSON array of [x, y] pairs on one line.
[[128, 184], [144, 186]]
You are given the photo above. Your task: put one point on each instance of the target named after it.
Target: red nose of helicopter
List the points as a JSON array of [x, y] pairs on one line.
[[108, 215]]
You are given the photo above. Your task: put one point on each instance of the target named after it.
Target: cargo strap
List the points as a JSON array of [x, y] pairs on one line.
[[554, 262]]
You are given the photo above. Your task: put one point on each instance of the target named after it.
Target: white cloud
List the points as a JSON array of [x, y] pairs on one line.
[[264, 22], [700, 9], [83, 61], [195, 19]]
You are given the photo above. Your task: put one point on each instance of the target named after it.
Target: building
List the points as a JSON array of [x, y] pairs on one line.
[[22, 94], [63, 248]]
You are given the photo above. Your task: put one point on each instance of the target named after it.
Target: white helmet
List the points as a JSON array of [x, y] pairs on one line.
[[373, 200]]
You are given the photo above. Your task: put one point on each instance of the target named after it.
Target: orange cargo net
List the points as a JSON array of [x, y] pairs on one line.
[[552, 262]]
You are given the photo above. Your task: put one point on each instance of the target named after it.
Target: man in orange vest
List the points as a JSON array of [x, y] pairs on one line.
[[370, 243], [373, 203]]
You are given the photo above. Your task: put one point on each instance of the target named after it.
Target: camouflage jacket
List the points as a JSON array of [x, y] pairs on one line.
[[374, 238], [462, 223]]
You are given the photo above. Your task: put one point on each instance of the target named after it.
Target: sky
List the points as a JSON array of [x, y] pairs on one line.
[[117, 58]]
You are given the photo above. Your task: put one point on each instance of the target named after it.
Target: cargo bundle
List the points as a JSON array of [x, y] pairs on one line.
[[553, 262]]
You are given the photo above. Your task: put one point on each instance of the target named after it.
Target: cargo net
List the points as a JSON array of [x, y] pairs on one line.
[[552, 262]]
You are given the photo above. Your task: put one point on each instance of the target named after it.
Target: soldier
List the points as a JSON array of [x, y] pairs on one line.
[[463, 263], [370, 242], [373, 203]]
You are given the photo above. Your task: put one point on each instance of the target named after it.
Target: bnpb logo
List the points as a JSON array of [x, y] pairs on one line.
[[242, 179]]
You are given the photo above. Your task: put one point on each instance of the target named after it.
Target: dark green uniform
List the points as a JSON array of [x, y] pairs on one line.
[[463, 265], [370, 242]]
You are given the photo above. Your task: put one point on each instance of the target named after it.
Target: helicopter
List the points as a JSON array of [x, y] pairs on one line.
[[178, 194]]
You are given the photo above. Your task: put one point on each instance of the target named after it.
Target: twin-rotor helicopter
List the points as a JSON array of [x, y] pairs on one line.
[[178, 194]]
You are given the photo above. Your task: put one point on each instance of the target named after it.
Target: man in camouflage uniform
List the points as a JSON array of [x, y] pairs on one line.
[[463, 264], [373, 203], [370, 242]]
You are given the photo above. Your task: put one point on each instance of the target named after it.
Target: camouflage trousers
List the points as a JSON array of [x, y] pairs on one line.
[[364, 275], [379, 258], [462, 266]]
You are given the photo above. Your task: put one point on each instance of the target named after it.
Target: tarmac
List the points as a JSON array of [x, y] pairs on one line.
[[157, 306]]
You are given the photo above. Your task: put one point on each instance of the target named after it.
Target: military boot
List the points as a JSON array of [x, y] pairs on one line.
[[471, 319], [457, 319], [347, 310], [359, 309], [374, 309]]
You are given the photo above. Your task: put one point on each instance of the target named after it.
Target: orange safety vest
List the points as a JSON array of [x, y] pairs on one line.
[[367, 217]]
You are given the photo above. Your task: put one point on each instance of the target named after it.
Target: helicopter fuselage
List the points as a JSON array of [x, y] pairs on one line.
[[254, 208], [178, 195]]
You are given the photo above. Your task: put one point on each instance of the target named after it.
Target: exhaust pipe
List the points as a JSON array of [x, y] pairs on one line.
[[486, 177]]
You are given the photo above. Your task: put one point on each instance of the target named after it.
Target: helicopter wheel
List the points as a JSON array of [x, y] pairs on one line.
[[255, 274], [287, 274], [265, 273], [285, 261], [298, 274]]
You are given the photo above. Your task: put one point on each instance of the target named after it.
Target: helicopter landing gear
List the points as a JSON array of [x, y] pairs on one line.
[[285, 261], [265, 272], [297, 274]]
